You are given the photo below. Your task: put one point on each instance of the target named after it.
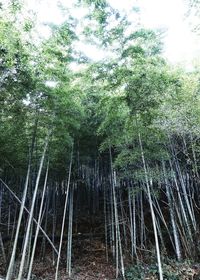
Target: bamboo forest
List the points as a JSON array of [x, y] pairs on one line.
[[99, 158]]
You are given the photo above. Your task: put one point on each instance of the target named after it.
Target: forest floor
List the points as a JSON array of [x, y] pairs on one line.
[[89, 260], [89, 263]]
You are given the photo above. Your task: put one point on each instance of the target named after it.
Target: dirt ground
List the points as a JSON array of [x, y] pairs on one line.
[[88, 263]]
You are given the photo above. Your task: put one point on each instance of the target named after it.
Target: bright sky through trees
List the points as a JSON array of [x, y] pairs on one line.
[[181, 44]]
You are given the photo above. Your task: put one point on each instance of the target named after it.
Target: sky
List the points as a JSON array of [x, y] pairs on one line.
[[181, 45]]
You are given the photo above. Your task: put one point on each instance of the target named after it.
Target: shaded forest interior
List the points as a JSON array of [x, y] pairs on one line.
[[108, 222], [88, 234]]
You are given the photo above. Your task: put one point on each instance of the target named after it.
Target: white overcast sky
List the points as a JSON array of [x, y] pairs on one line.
[[181, 44]]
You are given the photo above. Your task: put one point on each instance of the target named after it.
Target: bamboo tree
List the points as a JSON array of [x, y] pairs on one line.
[[152, 210], [46, 211], [105, 220], [131, 222], [118, 244], [173, 222], [70, 232], [38, 224], [1, 240], [12, 259], [27, 236], [64, 215], [54, 220]]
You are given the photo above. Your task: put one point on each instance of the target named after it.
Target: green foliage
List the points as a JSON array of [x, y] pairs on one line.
[[143, 42], [135, 272], [171, 271], [132, 92], [26, 97]]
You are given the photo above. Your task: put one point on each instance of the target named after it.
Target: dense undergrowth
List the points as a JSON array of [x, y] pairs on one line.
[[172, 270]]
